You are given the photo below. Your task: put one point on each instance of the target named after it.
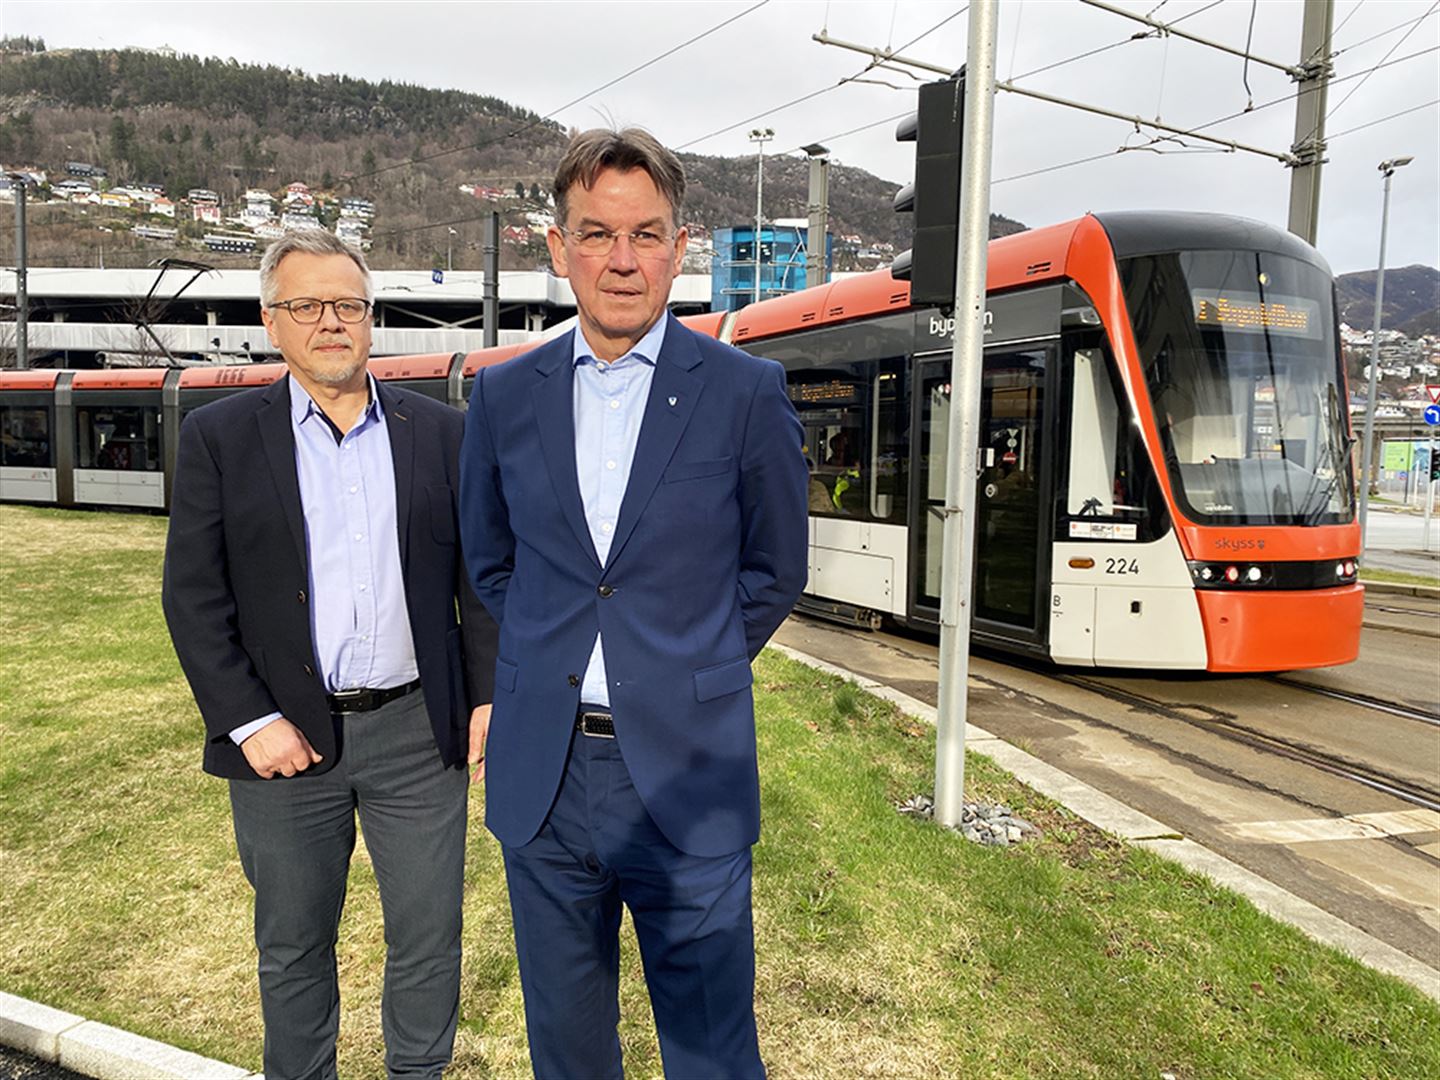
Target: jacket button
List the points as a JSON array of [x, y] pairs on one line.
[[309, 670], [300, 596], [573, 680], [606, 591]]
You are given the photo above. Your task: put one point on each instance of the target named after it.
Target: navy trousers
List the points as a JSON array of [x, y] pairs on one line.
[[599, 849], [295, 838]]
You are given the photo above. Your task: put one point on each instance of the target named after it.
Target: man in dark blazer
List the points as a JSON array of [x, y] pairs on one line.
[[633, 507], [312, 577]]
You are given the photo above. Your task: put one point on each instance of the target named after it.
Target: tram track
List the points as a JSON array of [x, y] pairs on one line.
[[1393, 708], [1228, 726]]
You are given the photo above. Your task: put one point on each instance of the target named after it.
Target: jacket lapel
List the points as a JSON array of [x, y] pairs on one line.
[[673, 393], [278, 439], [553, 398], [402, 450]]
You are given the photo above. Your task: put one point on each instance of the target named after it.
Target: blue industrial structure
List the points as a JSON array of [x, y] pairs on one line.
[[782, 262]]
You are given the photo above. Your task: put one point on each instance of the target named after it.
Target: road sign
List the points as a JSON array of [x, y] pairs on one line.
[[1434, 392], [437, 276], [1432, 415]]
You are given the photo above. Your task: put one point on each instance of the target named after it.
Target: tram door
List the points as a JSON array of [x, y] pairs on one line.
[[1011, 527]]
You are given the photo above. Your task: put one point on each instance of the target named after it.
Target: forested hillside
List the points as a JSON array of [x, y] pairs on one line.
[[1411, 305], [190, 122]]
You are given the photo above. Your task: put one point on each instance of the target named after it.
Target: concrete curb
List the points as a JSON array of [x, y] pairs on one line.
[[1393, 588], [1108, 813], [100, 1050]]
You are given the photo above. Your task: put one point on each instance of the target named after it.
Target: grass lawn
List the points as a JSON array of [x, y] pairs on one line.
[[1397, 577], [887, 947]]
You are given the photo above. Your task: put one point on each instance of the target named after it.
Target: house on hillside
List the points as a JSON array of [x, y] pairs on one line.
[[151, 232], [298, 194], [231, 243], [297, 220], [206, 212]]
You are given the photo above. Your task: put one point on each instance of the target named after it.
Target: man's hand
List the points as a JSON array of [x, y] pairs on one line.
[[279, 749], [479, 729]]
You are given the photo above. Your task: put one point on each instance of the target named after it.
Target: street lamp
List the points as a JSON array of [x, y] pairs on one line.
[[1388, 168], [449, 242], [759, 136]]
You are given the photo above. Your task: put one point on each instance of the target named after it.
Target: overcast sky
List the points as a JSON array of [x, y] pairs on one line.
[[543, 55]]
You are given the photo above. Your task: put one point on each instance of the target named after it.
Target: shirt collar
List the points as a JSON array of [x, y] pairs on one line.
[[646, 349], [302, 405]]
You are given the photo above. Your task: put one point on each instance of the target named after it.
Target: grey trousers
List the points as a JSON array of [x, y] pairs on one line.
[[295, 838]]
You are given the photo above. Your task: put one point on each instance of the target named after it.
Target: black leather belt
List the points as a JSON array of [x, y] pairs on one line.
[[347, 701], [596, 724]]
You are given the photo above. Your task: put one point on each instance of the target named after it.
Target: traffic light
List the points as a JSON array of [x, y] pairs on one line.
[[1434, 463], [934, 197]]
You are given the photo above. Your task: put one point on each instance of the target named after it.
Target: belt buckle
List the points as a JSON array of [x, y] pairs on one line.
[[604, 719], [351, 700]]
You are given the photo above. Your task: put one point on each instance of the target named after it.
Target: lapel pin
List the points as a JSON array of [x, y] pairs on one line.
[[673, 400]]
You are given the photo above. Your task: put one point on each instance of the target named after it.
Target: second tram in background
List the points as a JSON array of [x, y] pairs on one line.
[[1165, 472]]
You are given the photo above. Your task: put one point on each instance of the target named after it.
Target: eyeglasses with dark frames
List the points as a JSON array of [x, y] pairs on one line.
[[309, 309]]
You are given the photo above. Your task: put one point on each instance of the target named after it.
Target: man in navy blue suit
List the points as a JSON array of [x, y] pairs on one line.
[[633, 511]]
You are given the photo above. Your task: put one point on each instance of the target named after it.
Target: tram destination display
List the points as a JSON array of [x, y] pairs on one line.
[[1249, 313]]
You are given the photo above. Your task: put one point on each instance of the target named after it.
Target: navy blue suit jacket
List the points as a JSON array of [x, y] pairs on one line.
[[708, 557], [236, 573]]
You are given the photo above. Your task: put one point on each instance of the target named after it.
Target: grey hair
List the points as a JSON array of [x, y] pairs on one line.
[[593, 151], [308, 242]]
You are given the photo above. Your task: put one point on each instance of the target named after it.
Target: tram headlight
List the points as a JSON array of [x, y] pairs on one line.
[[1206, 574], [1232, 574], [1254, 574]]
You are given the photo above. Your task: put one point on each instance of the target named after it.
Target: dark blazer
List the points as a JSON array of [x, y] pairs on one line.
[[236, 578], [709, 554]]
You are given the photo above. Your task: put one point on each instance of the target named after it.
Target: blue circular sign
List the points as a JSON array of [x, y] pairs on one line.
[[1432, 414]]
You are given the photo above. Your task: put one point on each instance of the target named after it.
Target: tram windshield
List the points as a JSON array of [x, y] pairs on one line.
[[1240, 357]]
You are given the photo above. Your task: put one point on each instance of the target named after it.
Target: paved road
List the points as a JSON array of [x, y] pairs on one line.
[[17, 1066], [1394, 541]]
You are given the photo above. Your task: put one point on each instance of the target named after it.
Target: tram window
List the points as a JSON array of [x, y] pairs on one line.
[[1242, 364], [1110, 477], [856, 438], [25, 436], [831, 408], [125, 438]]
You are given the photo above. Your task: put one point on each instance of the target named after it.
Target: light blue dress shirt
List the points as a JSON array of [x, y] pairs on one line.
[[609, 405], [358, 618]]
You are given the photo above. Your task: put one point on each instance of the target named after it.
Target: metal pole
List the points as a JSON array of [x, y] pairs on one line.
[[759, 215], [1429, 492], [449, 246], [759, 136], [1309, 145], [22, 303], [964, 439], [490, 294], [817, 270], [1367, 449]]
